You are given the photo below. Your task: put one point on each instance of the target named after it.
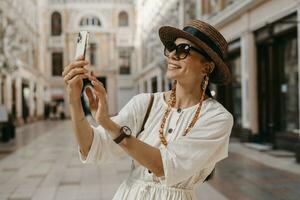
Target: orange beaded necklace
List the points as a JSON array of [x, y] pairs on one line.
[[171, 103]]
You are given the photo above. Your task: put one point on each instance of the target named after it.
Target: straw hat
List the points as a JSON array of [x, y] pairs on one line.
[[207, 38]]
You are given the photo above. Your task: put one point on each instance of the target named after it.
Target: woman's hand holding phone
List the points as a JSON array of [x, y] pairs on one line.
[[73, 75]]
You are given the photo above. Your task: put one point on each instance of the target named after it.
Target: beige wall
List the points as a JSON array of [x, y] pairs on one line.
[[255, 17]]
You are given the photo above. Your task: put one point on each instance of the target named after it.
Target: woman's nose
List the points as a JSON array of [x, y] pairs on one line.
[[172, 55]]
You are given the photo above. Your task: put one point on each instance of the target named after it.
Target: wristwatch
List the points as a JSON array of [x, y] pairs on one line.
[[125, 132]]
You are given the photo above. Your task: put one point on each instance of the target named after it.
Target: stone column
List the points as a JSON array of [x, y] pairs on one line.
[[141, 85], [112, 94], [249, 83], [181, 13], [113, 52], [19, 100], [159, 82], [198, 8], [40, 99]]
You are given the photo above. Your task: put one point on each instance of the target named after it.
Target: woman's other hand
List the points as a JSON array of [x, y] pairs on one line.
[[73, 75], [97, 100]]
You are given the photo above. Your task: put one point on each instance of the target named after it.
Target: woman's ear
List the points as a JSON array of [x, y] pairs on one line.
[[209, 67]]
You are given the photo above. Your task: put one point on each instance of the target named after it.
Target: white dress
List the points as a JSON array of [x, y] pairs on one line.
[[187, 160]]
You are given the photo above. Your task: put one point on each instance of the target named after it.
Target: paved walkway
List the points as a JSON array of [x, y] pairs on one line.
[[45, 165]]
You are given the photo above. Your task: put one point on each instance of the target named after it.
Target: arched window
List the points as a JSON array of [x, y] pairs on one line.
[[56, 25], [90, 21], [123, 19]]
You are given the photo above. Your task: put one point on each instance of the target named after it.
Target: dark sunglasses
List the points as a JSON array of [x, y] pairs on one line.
[[182, 50]]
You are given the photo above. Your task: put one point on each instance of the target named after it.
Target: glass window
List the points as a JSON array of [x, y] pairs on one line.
[[289, 87], [93, 50], [124, 59], [235, 67], [123, 19], [154, 84], [90, 21], [56, 26], [57, 63]]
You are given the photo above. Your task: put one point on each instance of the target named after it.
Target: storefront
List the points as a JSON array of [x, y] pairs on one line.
[[277, 72]]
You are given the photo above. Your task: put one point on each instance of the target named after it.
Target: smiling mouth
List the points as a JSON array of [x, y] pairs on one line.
[[172, 66]]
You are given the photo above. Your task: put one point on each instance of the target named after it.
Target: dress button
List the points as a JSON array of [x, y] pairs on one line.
[[179, 110], [170, 130]]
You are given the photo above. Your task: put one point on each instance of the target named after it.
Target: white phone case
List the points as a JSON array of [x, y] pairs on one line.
[[82, 42]]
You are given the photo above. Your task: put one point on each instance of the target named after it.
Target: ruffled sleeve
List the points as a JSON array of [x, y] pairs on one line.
[[205, 145], [103, 148]]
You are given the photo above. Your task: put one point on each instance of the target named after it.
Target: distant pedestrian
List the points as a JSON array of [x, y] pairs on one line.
[[176, 137]]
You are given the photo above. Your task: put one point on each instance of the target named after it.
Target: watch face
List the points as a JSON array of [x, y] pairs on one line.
[[126, 130]]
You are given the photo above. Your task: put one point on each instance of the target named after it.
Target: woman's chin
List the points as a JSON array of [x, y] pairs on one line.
[[172, 75]]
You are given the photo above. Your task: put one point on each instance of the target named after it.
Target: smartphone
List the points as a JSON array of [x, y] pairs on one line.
[[82, 41]]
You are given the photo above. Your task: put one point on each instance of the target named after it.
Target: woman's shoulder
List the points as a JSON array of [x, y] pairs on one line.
[[141, 97], [144, 97], [215, 110]]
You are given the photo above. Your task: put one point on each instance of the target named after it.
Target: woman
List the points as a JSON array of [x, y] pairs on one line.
[[179, 146]]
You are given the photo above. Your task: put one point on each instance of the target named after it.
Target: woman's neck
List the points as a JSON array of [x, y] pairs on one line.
[[186, 96]]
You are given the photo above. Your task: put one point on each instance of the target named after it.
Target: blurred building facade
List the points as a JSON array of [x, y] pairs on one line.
[[21, 76], [38, 38], [262, 55], [110, 51]]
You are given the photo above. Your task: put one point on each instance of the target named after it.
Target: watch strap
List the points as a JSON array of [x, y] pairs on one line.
[[121, 136]]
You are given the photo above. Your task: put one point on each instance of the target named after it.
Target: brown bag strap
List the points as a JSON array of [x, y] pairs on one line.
[[147, 114]]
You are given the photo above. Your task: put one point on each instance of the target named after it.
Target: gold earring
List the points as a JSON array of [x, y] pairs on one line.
[[205, 82]]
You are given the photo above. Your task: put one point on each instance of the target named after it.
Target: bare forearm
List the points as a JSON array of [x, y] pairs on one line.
[[145, 154], [83, 131]]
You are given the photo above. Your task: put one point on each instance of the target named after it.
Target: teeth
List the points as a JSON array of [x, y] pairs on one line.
[[173, 67]]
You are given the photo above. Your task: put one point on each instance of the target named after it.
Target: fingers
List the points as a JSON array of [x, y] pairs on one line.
[[76, 78], [73, 73], [99, 87], [98, 90], [77, 64], [89, 94]]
